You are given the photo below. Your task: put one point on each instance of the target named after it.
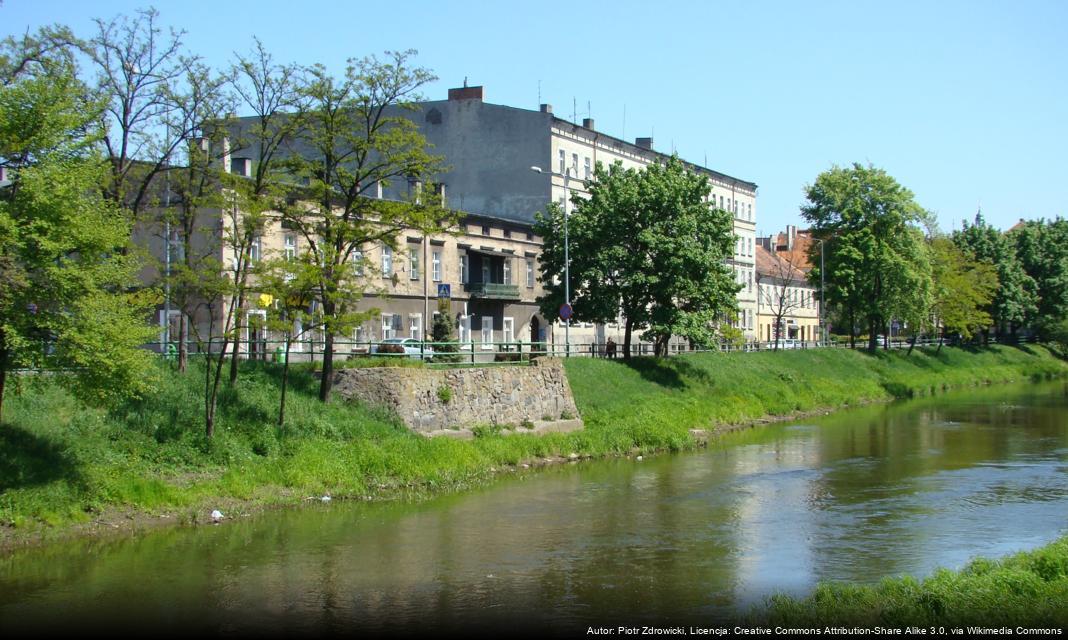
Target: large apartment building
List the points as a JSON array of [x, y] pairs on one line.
[[505, 165]]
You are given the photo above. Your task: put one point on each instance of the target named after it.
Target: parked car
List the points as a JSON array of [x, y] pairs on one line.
[[402, 346]]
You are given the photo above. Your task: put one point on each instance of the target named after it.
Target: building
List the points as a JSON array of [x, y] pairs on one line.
[[493, 150], [788, 304]]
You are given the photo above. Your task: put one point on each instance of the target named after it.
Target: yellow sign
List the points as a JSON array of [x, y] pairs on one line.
[[265, 300]]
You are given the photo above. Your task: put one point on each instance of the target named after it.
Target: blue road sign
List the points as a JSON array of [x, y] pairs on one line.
[[444, 291], [566, 311]]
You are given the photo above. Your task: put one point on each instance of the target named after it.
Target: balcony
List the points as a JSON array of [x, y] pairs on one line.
[[492, 290]]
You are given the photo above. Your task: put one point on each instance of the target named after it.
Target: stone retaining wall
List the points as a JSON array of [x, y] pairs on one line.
[[503, 395]]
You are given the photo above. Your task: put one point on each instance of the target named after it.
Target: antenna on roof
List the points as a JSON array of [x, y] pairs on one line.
[[574, 108], [539, 91], [465, 82]]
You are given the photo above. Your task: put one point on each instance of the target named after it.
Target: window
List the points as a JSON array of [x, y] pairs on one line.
[[415, 326], [435, 266], [359, 334], [391, 325], [507, 271], [507, 233], [509, 330], [357, 262], [574, 165], [562, 161], [750, 241], [255, 251], [387, 261], [413, 263], [463, 268], [750, 212], [589, 171], [721, 202], [485, 230], [485, 270], [465, 328], [487, 332], [530, 273], [290, 250]]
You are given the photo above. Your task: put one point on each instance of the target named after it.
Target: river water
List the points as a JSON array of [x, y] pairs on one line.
[[676, 539]]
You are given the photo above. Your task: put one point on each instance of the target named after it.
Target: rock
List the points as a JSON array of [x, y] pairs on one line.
[[639, 458], [572, 456], [217, 515]]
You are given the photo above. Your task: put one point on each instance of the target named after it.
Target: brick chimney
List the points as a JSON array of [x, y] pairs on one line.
[[546, 108], [466, 93], [588, 123]]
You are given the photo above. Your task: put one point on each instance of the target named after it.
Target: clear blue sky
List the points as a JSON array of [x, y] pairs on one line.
[[965, 103]]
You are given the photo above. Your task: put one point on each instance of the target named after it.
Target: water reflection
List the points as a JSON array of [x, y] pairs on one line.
[[856, 496]]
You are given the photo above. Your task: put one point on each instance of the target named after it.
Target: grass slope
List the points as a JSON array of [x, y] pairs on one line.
[[62, 463], [1029, 588]]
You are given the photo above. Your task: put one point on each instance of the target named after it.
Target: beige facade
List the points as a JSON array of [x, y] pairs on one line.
[[488, 266], [575, 152], [788, 306]]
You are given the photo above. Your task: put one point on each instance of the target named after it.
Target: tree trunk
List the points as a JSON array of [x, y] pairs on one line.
[[3, 372], [941, 339], [872, 327], [237, 341], [626, 339], [912, 344], [327, 381], [214, 395], [285, 382], [183, 338], [852, 329]]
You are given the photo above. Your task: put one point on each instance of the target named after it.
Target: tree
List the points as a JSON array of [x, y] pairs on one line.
[[646, 245], [269, 92], [356, 138], [65, 303], [441, 333], [1015, 301], [777, 287], [962, 292], [139, 70], [287, 288], [1041, 248], [875, 261]]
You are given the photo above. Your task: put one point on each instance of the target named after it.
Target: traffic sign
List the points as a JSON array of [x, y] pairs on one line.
[[444, 291], [566, 311]]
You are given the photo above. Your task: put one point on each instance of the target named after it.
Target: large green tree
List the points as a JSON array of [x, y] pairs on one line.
[[65, 303], [1041, 248], [963, 289], [1014, 302], [877, 267], [646, 245]]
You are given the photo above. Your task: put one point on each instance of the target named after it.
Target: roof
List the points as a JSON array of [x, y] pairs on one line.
[[774, 266]]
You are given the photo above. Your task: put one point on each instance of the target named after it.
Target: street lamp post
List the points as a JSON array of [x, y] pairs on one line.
[[823, 326], [567, 258]]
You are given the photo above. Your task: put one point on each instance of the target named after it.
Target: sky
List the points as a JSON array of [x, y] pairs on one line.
[[964, 103]]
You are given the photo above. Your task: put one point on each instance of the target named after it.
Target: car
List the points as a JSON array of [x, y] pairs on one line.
[[412, 348]]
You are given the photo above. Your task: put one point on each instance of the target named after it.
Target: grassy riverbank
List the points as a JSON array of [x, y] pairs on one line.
[[1029, 589], [64, 467]]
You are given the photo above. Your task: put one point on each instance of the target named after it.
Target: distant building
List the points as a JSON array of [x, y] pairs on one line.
[[788, 305]]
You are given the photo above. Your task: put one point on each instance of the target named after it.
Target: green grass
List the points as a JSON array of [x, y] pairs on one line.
[[62, 463], [1028, 589]]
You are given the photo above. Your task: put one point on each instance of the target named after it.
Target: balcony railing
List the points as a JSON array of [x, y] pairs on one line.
[[492, 290]]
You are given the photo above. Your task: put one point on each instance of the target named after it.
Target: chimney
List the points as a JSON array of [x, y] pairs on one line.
[[466, 93], [546, 108], [644, 143], [791, 235], [588, 123]]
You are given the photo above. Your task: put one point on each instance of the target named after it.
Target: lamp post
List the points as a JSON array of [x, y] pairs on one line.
[[567, 258], [823, 327]]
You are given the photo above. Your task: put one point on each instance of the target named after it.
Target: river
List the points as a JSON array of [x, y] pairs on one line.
[[674, 539]]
